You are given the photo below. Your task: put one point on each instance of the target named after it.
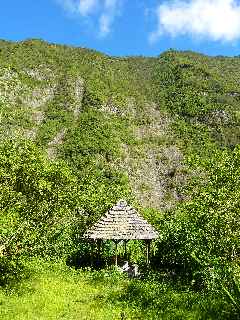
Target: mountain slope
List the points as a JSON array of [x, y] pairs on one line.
[[141, 116], [81, 130]]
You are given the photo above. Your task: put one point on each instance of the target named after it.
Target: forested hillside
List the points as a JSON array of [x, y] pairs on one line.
[[81, 130]]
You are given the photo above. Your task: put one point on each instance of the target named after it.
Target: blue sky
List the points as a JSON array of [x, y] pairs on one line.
[[127, 27]]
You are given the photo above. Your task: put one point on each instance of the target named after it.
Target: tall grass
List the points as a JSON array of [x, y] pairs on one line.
[[55, 291]]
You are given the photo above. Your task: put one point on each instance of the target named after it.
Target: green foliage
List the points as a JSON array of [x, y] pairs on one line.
[[37, 204], [202, 90], [91, 149], [203, 235], [96, 112], [39, 198]]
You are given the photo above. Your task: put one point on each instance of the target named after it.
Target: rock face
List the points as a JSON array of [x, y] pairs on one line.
[[218, 117], [79, 91], [38, 98], [155, 170], [33, 97], [156, 175], [54, 143]]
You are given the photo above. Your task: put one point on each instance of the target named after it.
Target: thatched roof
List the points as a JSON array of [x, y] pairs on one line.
[[122, 222]]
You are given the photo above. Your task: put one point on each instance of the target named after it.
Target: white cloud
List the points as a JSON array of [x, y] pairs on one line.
[[110, 4], [68, 5], [105, 24], [86, 7], [81, 7], [218, 20], [106, 20], [102, 12]]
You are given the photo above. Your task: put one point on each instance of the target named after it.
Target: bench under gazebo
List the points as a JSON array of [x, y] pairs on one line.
[[122, 223]]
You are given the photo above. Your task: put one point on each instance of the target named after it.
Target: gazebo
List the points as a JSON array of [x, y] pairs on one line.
[[122, 223]]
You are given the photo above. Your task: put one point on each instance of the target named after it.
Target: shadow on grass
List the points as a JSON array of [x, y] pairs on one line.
[[156, 296], [169, 292], [79, 260], [167, 301], [13, 271]]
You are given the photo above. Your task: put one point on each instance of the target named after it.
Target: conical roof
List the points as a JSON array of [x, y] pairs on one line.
[[122, 222]]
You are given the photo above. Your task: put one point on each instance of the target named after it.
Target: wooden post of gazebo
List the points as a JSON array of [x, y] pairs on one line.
[[122, 222], [92, 253], [116, 252], [125, 249], [98, 249], [148, 244]]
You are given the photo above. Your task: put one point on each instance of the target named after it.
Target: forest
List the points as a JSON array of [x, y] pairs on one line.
[[81, 130]]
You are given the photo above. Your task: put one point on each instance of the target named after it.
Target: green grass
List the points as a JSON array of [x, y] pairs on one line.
[[54, 291], [57, 292]]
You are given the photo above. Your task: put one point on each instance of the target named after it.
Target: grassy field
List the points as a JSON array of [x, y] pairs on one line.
[[54, 291]]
